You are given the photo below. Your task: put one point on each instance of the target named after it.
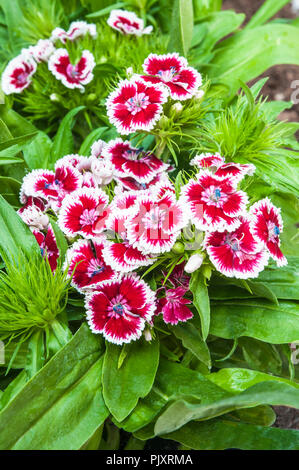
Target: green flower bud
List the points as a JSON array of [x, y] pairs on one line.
[[178, 248]]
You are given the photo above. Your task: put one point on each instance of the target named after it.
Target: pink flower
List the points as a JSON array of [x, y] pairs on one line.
[[86, 264], [172, 71], [41, 51], [214, 202], [126, 22], [208, 160], [119, 309], [173, 306], [236, 254], [178, 277], [133, 162], [76, 30], [72, 76], [52, 186], [156, 223], [17, 74], [266, 226], [84, 212], [135, 106], [48, 246]]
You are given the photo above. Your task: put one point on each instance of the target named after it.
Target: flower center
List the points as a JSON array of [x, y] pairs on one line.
[[137, 103], [72, 71], [167, 75], [133, 154], [214, 196], [154, 219], [118, 309], [273, 231], [95, 267], [21, 78], [88, 217]]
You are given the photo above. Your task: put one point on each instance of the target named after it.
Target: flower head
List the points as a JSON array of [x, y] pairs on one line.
[[127, 22], [133, 162], [17, 74], [84, 212], [76, 30], [266, 226], [72, 76], [41, 51], [173, 306], [172, 71], [135, 105], [214, 202], [86, 264], [48, 246], [119, 309], [236, 254]]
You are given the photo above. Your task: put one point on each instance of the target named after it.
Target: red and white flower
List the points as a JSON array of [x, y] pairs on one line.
[[84, 212], [237, 254], [86, 264], [97, 148], [48, 246], [127, 22], [156, 223], [41, 51], [214, 202], [77, 29], [135, 105], [34, 217], [172, 71], [72, 76], [17, 74], [120, 309], [208, 160], [266, 226], [130, 184], [174, 306], [133, 162], [50, 185], [102, 170]]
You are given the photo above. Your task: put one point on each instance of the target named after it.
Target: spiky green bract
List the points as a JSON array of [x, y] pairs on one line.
[[40, 17], [31, 296]]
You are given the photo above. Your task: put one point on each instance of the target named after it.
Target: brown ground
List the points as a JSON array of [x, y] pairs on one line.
[[278, 87]]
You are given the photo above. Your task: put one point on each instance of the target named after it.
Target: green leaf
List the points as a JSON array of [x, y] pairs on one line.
[[265, 12], [104, 11], [14, 234], [201, 300], [264, 393], [63, 141], [35, 355], [61, 407], [13, 388], [257, 319], [10, 189], [192, 340], [237, 380], [173, 381], [122, 387], [182, 27], [17, 141], [60, 239], [90, 139], [37, 152], [243, 57], [219, 434]]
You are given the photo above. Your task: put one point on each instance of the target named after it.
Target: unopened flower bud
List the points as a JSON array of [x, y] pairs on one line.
[[147, 335], [163, 121], [177, 108], [129, 72], [199, 94], [194, 263], [91, 98], [54, 97], [178, 248]]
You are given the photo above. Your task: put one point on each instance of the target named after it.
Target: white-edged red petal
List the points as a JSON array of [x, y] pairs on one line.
[[72, 75], [128, 23], [17, 74]]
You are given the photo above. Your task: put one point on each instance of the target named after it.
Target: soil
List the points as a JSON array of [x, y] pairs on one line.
[[278, 87], [281, 77]]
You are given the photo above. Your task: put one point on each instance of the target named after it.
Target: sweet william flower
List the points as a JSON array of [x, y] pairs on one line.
[[128, 23], [77, 29], [135, 105], [133, 162], [84, 212], [172, 71], [238, 253], [174, 306], [17, 74], [266, 226], [86, 264], [217, 163], [214, 202], [72, 75], [41, 51], [48, 246], [119, 309]]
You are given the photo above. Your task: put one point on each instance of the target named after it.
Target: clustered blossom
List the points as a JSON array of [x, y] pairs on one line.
[[121, 213], [19, 72], [137, 103]]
